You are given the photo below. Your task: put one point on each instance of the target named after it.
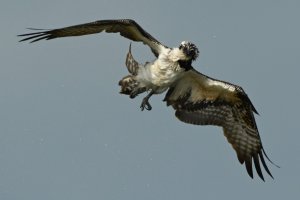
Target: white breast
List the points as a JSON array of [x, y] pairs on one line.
[[161, 73]]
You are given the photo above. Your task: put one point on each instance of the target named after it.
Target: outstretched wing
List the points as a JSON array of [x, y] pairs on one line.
[[201, 100], [126, 27]]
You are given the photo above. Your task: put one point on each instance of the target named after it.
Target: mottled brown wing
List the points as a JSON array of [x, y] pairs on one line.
[[126, 27], [201, 100]]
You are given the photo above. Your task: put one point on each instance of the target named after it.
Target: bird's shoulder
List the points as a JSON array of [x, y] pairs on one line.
[[196, 89]]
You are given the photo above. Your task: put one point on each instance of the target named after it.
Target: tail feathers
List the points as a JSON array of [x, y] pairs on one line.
[[129, 85], [131, 63]]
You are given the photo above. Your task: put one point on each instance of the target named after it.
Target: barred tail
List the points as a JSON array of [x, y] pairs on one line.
[[129, 85], [131, 64]]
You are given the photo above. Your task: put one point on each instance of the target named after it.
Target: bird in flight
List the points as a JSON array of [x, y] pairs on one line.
[[196, 98]]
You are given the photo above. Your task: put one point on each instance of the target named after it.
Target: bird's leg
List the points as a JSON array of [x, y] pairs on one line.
[[145, 103]]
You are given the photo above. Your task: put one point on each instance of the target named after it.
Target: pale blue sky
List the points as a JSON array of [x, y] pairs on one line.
[[66, 132]]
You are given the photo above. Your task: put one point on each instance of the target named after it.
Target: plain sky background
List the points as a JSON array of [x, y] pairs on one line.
[[66, 132]]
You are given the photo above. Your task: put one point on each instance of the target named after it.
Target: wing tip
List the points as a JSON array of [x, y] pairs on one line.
[[263, 150], [258, 159], [37, 36], [248, 165], [257, 167]]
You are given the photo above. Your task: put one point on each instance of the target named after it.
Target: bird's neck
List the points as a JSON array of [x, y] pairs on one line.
[[185, 64]]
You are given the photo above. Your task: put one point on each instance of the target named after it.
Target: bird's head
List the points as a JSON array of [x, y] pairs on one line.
[[189, 49]]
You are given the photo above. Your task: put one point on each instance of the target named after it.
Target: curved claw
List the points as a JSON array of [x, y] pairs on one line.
[[145, 105], [145, 102]]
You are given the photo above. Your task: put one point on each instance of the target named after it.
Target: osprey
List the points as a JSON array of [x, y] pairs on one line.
[[197, 98]]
